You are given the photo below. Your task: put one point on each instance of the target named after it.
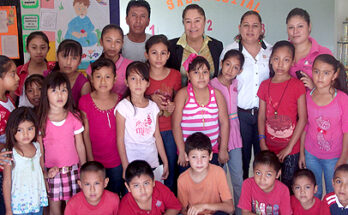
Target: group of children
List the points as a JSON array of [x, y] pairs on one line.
[[74, 132]]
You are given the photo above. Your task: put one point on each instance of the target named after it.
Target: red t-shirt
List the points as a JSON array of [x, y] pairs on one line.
[[281, 97], [254, 199], [165, 87], [297, 208], [162, 200], [108, 205]]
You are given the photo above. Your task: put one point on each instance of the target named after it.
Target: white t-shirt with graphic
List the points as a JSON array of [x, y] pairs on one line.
[[139, 132]]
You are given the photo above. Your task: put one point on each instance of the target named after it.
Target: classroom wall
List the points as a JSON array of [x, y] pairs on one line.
[[223, 17]]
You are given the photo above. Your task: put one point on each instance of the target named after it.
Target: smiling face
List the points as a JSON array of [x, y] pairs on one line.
[[250, 29], [112, 42], [194, 24], [137, 20], [340, 185], [92, 185], [25, 132], [304, 190], [298, 30], [265, 176], [33, 93], [38, 49], [158, 55], [281, 60], [141, 188]]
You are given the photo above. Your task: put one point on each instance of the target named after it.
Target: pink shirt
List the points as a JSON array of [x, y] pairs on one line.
[[102, 132], [305, 64], [121, 66], [326, 126], [59, 142], [231, 97], [108, 205], [257, 201]]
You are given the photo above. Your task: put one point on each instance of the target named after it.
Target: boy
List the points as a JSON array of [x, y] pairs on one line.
[[263, 193], [93, 199], [203, 188], [303, 202], [146, 196], [137, 19], [337, 202]]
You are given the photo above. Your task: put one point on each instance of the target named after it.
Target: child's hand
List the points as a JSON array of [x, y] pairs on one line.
[[170, 106], [196, 209], [158, 99], [307, 81], [181, 160], [302, 162], [223, 156], [283, 153], [9, 212], [165, 172], [5, 159], [52, 172], [339, 162]]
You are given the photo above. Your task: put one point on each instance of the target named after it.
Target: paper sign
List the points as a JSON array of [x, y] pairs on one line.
[[30, 22], [48, 20], [9, 46], [30, 3], [9, 32]]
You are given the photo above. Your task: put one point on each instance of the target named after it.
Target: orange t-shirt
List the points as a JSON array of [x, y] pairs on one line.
[[212, 189]]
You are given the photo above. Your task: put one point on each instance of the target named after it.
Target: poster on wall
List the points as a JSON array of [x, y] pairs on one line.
[[79, 20], [9, 32]]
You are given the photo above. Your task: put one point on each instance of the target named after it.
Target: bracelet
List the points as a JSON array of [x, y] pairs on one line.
[[262, 137]]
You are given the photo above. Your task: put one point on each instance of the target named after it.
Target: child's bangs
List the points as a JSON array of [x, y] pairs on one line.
[[57, 82], [71, 50]]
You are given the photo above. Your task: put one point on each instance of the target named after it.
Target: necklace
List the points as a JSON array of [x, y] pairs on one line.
[[281, 98], [202, 113]]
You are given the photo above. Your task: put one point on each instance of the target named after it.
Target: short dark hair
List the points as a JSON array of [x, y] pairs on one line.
[[103, 62], [198, 141], [193, 7], [298, 12], [267, 158], [92, 166], [137, 168], [138, 3], [304, 173], [341, 168]]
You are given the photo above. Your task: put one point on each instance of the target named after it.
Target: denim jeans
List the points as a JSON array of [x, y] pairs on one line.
[[318, 166], [37, 213], [289, 167], [234, 166], [171, 152], [250, 137], [116, 182]]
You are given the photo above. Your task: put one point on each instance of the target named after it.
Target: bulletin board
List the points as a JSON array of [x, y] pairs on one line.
[[10, 31]]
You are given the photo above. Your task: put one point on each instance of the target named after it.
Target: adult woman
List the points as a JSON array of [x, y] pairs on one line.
[[194, 41], [306, 48], [255, 70]]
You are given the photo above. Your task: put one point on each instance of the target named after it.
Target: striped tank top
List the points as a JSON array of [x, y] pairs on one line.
[[203, 118]]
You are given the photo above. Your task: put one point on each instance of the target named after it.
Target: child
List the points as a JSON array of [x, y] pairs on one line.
[[282, 114], [61, 133], [138, 135], [24, 183], [226, 82], [336, 203], [112, 41], [263, 193], [69, 54], [32, 87], [164, 83], [93, 199], [200, 107], [203, 187], [303, 202], [100, 122], [37, 45], [146, 196], [324, 144]]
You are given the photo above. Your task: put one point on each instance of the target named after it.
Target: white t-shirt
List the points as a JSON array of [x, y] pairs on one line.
[[139, 132], [134, 51], [255, 70]]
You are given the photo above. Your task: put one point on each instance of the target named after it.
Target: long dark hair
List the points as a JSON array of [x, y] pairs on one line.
[[18, 116], [53, 80], [5, 65], [280, 44], [249, 13], [68, 47], [340, 82]]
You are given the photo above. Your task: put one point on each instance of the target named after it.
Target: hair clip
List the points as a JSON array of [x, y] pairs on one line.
[[189, 60]]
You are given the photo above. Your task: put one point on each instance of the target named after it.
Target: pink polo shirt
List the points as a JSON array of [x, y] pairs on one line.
[[305, 64], [121, 66]]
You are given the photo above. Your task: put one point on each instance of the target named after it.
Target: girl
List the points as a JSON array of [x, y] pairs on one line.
[[100, 122], [24, 184], [61, 132], [112, 41], [303, 202], [282, 114], [324, 143], [164, 83], [32, 87], [198, 107], [226, 82], [37, 46], [138, 135], [69, 54]]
